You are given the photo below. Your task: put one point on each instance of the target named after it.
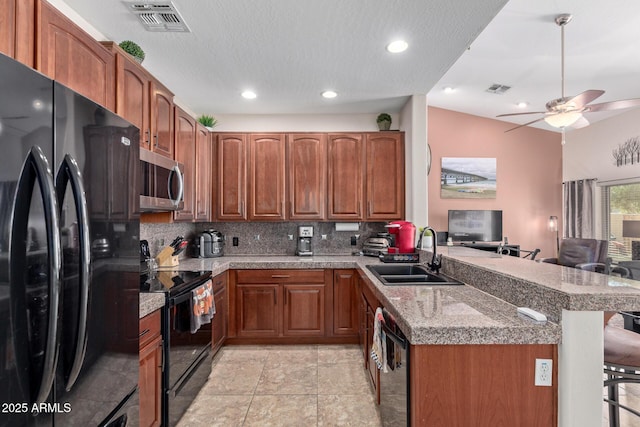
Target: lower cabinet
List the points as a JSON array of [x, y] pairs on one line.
[[367, 310], [150, 379], [293, 306], [219, 322]]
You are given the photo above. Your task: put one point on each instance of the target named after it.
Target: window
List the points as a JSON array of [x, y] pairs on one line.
[[620, 210]]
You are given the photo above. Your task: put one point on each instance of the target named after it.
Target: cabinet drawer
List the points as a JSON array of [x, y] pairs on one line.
[[280, 276], [219, 282], [149, 328]]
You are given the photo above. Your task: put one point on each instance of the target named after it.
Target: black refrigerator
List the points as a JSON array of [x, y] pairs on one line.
[[69, 257]]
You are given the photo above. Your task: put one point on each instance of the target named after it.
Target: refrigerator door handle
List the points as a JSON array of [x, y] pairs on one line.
[[36, 167], [69, 172], [176, 171]]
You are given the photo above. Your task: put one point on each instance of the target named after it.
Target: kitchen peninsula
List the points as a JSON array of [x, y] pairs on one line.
[[481, 318]]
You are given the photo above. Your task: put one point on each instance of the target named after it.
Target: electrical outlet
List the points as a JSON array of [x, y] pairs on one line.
[[354, 240], [323, 237], [290, 236], [235, 241], [544, 370], [257, 237]]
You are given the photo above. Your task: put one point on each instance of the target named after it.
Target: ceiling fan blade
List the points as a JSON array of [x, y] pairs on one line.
[[521, 114], [585, 97], [613, 105], [526, 124], [580, 123]]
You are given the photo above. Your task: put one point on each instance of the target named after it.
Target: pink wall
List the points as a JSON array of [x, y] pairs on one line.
[[528, 167]]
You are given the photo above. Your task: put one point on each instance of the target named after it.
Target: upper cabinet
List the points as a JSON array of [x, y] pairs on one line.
[[307, 177], [132, 92], [204, 184], [161, 107], [185, 153], [385, 176], [266, 177], [346, 173], [17, 36], [72, 57], [231, 177]]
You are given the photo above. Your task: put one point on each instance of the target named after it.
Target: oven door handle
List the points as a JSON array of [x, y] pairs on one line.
[[186, 296], [394, 337]]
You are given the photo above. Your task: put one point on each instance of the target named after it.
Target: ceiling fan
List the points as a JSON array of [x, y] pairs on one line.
[[567, 111]]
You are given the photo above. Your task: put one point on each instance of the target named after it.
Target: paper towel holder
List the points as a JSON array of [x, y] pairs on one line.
[[347, 226]]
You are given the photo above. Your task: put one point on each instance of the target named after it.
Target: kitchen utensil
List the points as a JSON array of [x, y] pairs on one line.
[[180, 248], [176, 242]]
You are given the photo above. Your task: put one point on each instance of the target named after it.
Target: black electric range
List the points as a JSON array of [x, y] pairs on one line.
[[187, 354]]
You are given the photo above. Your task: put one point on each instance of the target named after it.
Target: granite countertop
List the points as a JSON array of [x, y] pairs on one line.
[[481, 312]]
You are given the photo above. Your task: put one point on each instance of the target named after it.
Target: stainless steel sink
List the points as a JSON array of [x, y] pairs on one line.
[[409, 275]]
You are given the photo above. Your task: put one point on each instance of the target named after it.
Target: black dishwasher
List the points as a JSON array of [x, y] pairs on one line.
[[395, 399]]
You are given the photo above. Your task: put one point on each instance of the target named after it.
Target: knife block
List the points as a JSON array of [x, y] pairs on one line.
[[166, 259]]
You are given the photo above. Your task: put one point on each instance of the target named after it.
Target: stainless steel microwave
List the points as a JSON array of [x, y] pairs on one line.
[[162, 183]]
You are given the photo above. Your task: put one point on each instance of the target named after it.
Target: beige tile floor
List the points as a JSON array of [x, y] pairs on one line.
[[307, 385]]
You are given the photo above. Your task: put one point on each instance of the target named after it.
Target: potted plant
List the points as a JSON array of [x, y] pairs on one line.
[[208, 121], [384, 121], [133, 49]]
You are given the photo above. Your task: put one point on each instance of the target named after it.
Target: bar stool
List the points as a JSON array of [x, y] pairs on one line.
[[621, 365]]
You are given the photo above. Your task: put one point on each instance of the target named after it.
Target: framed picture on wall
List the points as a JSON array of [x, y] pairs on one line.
[[468, 178]]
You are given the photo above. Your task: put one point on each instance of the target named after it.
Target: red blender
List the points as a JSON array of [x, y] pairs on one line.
[[405, 233]]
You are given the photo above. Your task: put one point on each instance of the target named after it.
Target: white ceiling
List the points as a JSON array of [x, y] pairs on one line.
[[289, 51]]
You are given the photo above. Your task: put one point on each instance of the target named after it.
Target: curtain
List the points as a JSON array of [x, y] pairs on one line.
[[579, 208]]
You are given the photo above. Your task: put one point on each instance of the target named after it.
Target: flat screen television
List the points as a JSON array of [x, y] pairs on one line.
[[475, 225]]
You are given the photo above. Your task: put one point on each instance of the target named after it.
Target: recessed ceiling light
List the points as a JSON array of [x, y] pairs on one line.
[[397, 46], [329, 94], [522, 104], [449, 89], [247, 94]]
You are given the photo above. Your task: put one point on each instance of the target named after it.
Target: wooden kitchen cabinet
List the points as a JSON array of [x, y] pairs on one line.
[[345, 302], [203, 185], [17, 38], [266, 189], [307, 176], [185, 153], [279, 304], [150, 376], [231, 177], [161, 118], [66, 53], [132, 92], [304, 310], [258, 310], [385, 176], [345, 192], [220, 320], [368, 305]]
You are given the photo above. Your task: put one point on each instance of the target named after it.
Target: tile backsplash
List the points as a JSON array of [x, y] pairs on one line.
[[269, 238]]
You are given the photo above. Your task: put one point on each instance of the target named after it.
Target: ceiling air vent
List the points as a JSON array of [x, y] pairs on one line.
[[158, 16], [498, 89]]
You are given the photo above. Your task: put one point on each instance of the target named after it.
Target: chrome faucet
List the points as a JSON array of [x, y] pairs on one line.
[[435, 263]]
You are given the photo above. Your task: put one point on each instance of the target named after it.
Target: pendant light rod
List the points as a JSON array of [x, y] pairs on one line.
[[562, 20]]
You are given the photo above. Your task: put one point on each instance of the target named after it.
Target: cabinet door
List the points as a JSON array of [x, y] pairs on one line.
[[231, 176], [72, 57], [132, 92], [203, 174], [258, 310], [346, 167], [8, 25], [185, 153], [150, 382], [306, 162], [385, 176], [345, 303], [304, 310], [266, 177], [219, 324], [150, 375], [161, 119]]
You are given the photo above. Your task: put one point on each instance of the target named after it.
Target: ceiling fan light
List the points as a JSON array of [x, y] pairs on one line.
[[562, 120]]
